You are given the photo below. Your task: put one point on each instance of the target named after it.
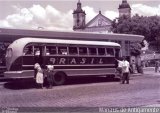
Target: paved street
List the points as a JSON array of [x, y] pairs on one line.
[[143, 90]]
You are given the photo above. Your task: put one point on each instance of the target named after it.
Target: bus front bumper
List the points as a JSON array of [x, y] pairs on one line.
[[19, 74]]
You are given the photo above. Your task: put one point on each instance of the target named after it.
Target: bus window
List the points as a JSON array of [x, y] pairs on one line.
[[110, 51], [82, 50], [62, 50], [101, 51], [37, 51], [92, 51], [117, 53], [28, 50], [51, 50], [38, 54], [73, 51]]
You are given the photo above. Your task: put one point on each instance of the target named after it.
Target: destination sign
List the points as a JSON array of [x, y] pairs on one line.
[[81, 60]]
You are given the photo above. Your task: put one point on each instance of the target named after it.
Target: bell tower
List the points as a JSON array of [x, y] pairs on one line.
[[79, 17], [124, 9]]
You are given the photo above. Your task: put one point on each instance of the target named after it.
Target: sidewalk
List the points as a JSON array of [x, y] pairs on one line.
[[150, 71], [147, 71]]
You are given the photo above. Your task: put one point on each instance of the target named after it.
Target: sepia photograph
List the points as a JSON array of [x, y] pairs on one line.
[[72, 56]]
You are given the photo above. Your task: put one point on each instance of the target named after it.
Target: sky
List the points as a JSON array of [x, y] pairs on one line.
[[57, 14]]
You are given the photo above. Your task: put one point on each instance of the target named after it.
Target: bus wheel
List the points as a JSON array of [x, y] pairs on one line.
[[59, 78]]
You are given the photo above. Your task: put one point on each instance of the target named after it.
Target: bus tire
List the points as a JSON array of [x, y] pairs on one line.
[[59, 78]]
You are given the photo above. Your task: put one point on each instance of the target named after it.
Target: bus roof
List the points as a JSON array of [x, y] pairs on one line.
[[26, 40]]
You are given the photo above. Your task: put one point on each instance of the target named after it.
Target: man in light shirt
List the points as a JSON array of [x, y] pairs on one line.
[[119, 67], [125, 71]]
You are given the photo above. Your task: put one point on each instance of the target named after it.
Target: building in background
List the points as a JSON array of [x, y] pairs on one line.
[[79, 18], [99, 23], [124, 9]]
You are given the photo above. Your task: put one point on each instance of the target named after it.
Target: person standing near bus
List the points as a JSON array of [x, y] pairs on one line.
[[50, 75], [39, 75], [157, 66], [125, 71], [119, 68], [37, 59]]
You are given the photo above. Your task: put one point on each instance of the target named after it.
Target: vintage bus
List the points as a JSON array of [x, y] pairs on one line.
[[69, 57]]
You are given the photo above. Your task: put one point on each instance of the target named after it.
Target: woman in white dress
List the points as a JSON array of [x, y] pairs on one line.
[[39, 75]]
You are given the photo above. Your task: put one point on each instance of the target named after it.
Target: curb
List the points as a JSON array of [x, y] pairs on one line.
[[153, 105]]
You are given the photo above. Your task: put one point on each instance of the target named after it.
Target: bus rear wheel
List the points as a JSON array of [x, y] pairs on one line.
[[59, 78]]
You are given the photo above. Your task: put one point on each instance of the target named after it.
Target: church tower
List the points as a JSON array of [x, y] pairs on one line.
[[124, 9], [79, 17]]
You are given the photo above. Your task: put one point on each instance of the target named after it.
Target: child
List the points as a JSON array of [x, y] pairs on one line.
[[39, 75]]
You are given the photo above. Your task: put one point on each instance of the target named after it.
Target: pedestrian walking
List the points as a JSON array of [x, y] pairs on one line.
[[157, 66], [39, 75], [50, 75], [125, 71]]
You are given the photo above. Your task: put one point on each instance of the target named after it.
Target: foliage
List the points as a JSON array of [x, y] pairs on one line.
[[3, 48], [139, 25], [135, 49]]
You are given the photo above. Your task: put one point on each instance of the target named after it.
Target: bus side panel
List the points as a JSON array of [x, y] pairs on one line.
[[95, 72], [70, 60], [28, 63], [80, 62], [16, 65], [75, 66]]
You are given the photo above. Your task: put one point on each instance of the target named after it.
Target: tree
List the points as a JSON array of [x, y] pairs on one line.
[[3, 47], [135, 49], [149, 27]]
